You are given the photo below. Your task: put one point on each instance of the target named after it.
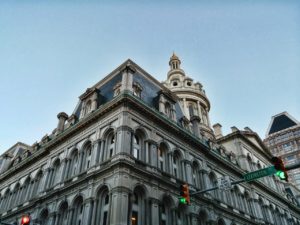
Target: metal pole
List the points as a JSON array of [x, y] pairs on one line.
[[7, 223], [291, 167], [288, 167], [214, 188]]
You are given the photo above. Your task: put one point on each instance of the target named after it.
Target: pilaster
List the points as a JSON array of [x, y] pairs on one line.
[[88, 208], [154, 208], [119, 206], [123, 142]]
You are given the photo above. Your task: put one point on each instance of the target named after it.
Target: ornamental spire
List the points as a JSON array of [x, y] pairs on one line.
[[174, 62]]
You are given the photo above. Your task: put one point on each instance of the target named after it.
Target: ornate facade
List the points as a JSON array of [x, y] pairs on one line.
[[123, 153]]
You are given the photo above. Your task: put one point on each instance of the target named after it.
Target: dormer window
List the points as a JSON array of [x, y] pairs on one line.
[[137, 89], [117, 89]]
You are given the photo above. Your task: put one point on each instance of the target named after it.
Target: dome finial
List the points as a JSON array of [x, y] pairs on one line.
[[174, 62]]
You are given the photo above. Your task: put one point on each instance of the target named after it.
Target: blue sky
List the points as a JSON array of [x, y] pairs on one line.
[[245, 53]]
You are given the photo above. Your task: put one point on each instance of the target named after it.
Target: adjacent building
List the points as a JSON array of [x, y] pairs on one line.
[[283, 139], [123, 153]]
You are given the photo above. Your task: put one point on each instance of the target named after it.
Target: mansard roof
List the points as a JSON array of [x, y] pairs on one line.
[[280, 122], [149, 95]]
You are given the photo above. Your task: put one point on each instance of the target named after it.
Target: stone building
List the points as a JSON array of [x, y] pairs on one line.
[[123, 153], [283, 139]]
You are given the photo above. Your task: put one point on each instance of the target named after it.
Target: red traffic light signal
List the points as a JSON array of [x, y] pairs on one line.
[[25, 220], [280, 168], [184, 194]]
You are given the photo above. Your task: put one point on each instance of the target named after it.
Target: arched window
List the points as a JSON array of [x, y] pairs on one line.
[[102, 204], [195, 174], [221, 222], [191, 110], [78, 211], [263, 210], [137, 89], [248, 204], [180, 216], [203, 217], [162, 157], [168, 110], [213, 183], [204, 116], [86, 157], [111, 142], [5, 200], [277, 217], [136, 147], [37, 183], [55, 173], [138, 207], [176, 164], [73, 170], [165, 214], [63, 214], [16, 191], [26, 189], [43, 219]]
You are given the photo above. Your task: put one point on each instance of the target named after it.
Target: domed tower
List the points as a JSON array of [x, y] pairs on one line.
[[193, 100]]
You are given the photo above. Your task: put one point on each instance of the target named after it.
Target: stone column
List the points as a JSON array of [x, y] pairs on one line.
[[88, 208], [94, 101], [127, 78], [169, 164], [94, 214], [146, 147], [67, 170], [161, 106], [173, 112], [57, 218], [188, 171], [70, 216], [62, 117], [95, 153], [123, 140], [80, 160], [119, 206], [196, 125], [44, 182], [63, 168], [173, 217], [194, 219], [50, 219], [29, 191], [154, 209], [185, 109], [102, 151], [153, 154], [82, 110], [205, 179]]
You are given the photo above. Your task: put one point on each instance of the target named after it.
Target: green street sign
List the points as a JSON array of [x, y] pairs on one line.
[[259, 173]]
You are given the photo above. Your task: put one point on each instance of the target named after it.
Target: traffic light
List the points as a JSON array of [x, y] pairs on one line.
[[25, 220], [184, 194], [280, 169]]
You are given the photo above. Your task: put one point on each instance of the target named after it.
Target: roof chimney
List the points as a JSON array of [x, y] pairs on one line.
[[234, 129], [248, 129], [218, 130]]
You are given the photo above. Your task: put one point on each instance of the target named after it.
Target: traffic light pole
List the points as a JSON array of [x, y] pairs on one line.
[[287, 168], [291, 167], [215, 188], [3, 223]]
